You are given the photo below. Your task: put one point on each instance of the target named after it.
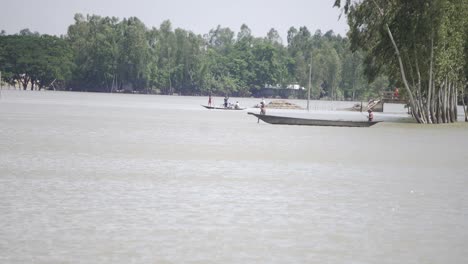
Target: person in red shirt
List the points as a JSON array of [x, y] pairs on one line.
[[396, 93]]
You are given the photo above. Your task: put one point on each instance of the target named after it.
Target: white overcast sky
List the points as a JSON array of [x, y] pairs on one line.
[[54, 16]]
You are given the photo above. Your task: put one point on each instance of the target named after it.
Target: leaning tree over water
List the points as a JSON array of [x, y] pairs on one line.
[[422, 42]]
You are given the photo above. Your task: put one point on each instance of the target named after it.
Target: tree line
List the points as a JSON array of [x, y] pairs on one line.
[[106, 54]]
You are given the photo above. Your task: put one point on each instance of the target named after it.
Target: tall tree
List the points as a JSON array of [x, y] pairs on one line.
[[134, 54], [220, 39], [95, 41], [274, 37]]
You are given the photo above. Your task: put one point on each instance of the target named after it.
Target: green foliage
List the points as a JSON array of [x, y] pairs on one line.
[[108, 54], [337, 73], [34, 60], [95, 43]]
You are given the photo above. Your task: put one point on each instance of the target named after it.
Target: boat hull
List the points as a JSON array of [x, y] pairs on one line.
[[283, 120], [222, 108]]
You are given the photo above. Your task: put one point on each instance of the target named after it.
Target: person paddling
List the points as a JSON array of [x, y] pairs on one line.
[[209, 100], [262, 108], [226, 98], [371, 115]]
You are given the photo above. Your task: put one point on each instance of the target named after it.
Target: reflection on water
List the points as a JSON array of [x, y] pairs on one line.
[[117, 178]]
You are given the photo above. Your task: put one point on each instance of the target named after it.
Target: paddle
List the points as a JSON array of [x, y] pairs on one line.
[[361, 111]]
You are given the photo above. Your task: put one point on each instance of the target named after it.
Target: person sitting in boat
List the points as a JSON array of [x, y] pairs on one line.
[[226, 98], [262, 108], [371, 115], [237, 106]]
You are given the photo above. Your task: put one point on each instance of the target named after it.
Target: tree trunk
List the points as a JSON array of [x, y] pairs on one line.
[[434, 102], [455, 103], [444, 102], [354, 76], [24, 81], [33, 81], [439, 106], [416, 112], [464, 105], [429, 114]]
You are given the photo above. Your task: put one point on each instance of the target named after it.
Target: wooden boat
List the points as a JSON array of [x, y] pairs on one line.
[[283, 120], [222, 108]]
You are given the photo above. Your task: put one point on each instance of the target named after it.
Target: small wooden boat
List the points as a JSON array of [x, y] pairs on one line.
[[223, 108], [283, 120]]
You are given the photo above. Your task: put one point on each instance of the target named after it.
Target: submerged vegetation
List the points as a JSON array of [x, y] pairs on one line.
[[422, 44]]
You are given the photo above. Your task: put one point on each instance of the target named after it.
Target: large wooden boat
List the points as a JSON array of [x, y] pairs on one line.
[[223, 108], [283, 120]]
